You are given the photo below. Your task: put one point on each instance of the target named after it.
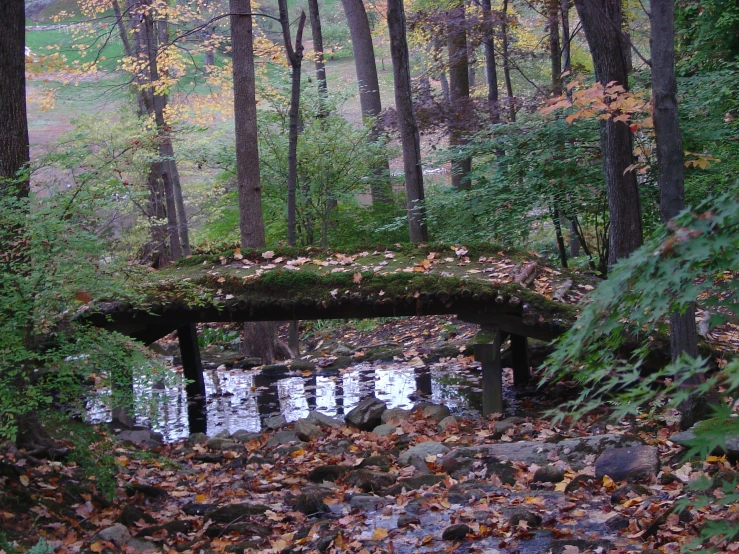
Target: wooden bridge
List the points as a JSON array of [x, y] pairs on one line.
[[509, 295]]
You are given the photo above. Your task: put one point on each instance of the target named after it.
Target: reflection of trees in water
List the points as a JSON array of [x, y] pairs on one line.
[[456, 387]]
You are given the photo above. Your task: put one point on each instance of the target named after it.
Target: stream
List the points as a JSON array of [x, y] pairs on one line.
[[242, 399]]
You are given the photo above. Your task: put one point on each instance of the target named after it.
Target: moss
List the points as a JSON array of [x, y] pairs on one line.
[[382, 353]]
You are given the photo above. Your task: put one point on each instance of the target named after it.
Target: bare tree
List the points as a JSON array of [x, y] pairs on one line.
[[409, 134], [14, 149], [601, 20], [295, 59]]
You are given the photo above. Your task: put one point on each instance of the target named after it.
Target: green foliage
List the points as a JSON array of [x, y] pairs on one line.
[[218, 335], [53, 263], [522, 171], [709, 121], [689, 260], [707, 34]]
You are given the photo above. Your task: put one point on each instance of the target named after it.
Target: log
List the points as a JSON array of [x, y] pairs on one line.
[[525, 273], [559, 295]]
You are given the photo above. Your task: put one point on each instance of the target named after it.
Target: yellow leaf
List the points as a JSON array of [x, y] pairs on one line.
[[97, 546], [379, 534], [200, 498], [562, 485], [608, 483], [24, 480]]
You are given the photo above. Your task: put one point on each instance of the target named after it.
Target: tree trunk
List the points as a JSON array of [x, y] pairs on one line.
[[506, 65], [295, 59], [369, 87], [166, 151], [251, 225], [409, 134], [491, 69], [459, 92], [671, 171], [555, 48], [471, 65], [565, 13], [315, 25], [556, 218], [14, 149], [260, 338], [444, 86], [601, 21]]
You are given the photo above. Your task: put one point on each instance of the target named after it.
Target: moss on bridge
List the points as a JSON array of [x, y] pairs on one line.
[[436, 272]]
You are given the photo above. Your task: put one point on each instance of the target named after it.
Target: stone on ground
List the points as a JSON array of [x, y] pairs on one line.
[[434, 411], [233, 512], [322, 420], [422, 450], [632, 463], [327, 473], [117, 534], [384, 430], [275, 422], [306, 431], [448, 421], [283, 437], [549, 474], [456, 532], [570, 451], [370, 481], [367, 414], [196, 438], [395, 415]]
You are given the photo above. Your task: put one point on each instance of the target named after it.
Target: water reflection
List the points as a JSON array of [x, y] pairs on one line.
[[239, 400]]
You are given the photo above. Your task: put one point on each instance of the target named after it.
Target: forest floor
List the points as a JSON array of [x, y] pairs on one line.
[[383, 481]]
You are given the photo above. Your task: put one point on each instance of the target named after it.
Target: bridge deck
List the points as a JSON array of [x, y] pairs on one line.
[[476, 285]]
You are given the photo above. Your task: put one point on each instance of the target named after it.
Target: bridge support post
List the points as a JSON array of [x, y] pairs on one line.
[[488, 354], [520, 358], [192, 367]]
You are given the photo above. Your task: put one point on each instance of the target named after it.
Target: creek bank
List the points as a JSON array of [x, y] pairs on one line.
[[319, 485]]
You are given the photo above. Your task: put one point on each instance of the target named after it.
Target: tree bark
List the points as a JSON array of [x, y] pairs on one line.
[[166, 150], [248, 177], [601, 21], [671, 171], [565, 13], [14, 149], [491, 69], [555, 47], [409, 134], [459, 92], [317, 34], [369, 87], [295, 59], [507, 65]]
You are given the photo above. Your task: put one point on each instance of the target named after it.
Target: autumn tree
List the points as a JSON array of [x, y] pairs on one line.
[[409, 134], [14, 149], [602, 21]]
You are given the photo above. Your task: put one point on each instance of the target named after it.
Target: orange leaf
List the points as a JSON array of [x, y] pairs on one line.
[[83, 296]]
